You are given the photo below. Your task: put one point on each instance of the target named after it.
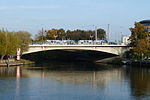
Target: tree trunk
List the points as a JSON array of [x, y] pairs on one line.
[[2, 58]]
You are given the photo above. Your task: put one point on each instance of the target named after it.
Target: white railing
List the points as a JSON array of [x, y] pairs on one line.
[[73, 42]]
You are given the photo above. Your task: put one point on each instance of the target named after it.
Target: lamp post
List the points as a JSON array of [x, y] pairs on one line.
[[55, 36], [108, 33], [91, 36]]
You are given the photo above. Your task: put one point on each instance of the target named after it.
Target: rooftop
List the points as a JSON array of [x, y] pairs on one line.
[[145, 22]]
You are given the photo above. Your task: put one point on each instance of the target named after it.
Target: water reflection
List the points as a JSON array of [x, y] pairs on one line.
[[18, 72], [18, 75], [10, 72], [36, 83], [140, 81], [77, 77]]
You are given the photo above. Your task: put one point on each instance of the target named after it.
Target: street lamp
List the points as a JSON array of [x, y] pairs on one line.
[[55, 36], [91, 36]]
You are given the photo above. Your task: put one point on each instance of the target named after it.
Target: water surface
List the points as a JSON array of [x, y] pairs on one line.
[[74, 82]]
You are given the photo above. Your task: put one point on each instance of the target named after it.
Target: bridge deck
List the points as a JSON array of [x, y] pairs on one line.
[[78, 45]]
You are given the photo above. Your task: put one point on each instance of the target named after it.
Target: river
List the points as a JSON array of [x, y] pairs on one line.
[[74, 82]]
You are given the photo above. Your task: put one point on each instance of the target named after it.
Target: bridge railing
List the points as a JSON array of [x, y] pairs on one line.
[[75, 42]]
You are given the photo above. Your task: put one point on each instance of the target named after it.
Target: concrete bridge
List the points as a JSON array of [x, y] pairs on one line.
[[112, 49]]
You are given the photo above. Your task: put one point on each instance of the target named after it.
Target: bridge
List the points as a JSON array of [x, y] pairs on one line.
[[106, 48]]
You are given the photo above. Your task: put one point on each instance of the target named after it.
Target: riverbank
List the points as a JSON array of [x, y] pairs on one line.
[[117, 60], [13, 62], [138, 63], [122, 61]]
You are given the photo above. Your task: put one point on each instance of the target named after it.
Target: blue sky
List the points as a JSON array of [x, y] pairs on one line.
[[32, 15]]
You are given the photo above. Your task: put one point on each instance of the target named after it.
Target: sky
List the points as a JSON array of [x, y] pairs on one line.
[[33, 15]]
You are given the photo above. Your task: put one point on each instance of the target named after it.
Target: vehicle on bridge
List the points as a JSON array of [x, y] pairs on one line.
[[76, 42], [112, 43], [53, 42], [69, 42], [100, 42], [85, 42]]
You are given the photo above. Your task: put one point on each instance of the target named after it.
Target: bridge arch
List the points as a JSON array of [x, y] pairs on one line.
[[112, 49]]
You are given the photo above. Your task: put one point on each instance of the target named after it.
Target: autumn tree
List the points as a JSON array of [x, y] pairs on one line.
[[139, 41], [86, 34], [52, 34], [61, 34], [77, 35]]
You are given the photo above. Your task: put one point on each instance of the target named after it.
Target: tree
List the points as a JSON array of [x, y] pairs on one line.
[[139, 41], [23, 39], [61, 34], [40, 36], [3, 43], [8, 43], [101, 34], [11, 44], [52, 34]]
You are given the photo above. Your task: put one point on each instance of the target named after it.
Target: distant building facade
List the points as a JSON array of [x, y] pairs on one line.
[[125, 40], [146, 23]]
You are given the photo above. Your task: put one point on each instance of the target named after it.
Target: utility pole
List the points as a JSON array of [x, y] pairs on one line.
[[42, 35], [95, 33], [108, 32], [121, 38], [121, 35]]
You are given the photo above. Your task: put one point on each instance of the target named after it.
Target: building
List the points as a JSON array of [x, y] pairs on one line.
[[146, 23], [125, 40]]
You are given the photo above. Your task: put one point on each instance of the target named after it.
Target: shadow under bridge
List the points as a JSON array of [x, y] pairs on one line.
[[73, 52]]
